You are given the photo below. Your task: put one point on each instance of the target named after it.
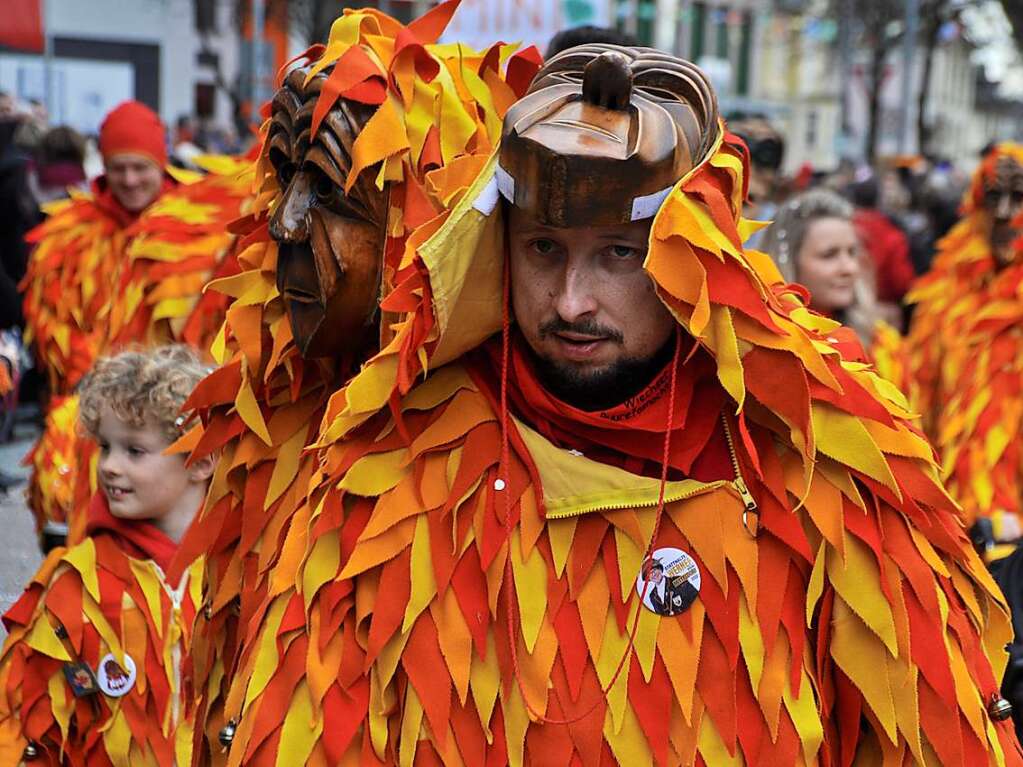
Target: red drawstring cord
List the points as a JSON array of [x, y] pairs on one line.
[[505, 487]]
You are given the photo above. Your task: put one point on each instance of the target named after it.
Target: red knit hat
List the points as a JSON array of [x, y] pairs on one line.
[[133, 128]]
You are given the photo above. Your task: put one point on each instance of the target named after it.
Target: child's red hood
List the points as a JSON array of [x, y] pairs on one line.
[[140, 539]]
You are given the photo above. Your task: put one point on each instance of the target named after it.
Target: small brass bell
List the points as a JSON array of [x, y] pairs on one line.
[[31, 752], [226, 736], [999, 708]]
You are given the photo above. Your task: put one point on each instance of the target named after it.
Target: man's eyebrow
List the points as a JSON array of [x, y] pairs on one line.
[[532, 229], [622, 237]]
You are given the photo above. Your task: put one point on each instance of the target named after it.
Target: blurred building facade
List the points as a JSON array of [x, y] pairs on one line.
[[105, 51], [785, 59], [780, 58]]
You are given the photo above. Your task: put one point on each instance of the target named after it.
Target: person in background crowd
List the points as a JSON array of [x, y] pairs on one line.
[[885, 244], [766, 152], [813, 241], [8, 106], [587, 33], [123, 264], [94, 669], [58, 165], [18, 214], [184, 147], [965, 351], [936, 197], [32, 126]]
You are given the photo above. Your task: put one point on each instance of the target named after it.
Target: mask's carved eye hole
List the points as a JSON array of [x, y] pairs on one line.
[[286, 172], [324, 189]]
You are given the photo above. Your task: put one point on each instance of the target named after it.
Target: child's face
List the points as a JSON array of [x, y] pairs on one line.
[[139, 481]]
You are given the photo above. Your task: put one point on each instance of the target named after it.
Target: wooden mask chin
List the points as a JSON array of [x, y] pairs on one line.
[[330, 244], [1003, 202]]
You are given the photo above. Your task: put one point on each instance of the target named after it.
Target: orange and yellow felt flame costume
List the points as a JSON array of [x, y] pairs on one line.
[[105, 598], [437, 603], [437, 119], [54, 462], [962, 356], [98, 282], [70, 277]]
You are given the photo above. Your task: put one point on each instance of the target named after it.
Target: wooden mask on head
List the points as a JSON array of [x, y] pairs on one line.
[[1003, 202], [603, 135], [330, 244]]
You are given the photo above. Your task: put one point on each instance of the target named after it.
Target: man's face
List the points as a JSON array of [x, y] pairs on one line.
[[8, 109], [587, 308], [134, 179], [1003, 200]]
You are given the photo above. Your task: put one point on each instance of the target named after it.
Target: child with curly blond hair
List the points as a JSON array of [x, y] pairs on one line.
[[92, 671]]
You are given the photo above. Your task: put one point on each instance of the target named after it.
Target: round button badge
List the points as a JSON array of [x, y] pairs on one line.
[[671, 580], [114, 679]]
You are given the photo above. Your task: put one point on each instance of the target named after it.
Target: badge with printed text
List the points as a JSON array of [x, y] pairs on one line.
[[81, 679], [114, 679], [668, 582]]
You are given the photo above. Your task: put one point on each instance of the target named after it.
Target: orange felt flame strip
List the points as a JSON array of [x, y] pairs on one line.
[[353, 68]]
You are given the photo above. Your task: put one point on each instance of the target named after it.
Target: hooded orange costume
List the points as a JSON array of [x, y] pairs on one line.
[[94, 670], [964, 348], [461, 587], [370, 138], [106, 600], [101, 278]]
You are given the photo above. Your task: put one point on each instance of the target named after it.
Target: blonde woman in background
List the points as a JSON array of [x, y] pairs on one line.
[[813, 242]]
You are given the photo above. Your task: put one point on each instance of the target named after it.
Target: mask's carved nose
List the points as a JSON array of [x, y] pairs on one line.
[[290, 222]]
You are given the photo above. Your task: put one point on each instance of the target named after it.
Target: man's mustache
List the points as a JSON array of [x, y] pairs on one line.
[[582, 327]]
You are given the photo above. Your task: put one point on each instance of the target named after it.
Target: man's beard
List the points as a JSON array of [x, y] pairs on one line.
[[602, 389]]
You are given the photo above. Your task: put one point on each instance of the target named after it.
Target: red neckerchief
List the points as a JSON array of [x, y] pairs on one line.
[[138, 538], [629, 435], [106, 201]]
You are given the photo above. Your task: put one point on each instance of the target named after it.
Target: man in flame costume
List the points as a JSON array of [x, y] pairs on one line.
[[463, 582], [370, 137], [965, 348], [123, 264]]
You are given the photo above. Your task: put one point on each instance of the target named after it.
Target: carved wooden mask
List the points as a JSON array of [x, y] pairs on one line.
[[1003, 202], [330, 244], [604, 133]]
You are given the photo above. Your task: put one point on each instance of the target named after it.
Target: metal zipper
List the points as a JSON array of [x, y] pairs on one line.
[[750, 507], [749, 503]]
